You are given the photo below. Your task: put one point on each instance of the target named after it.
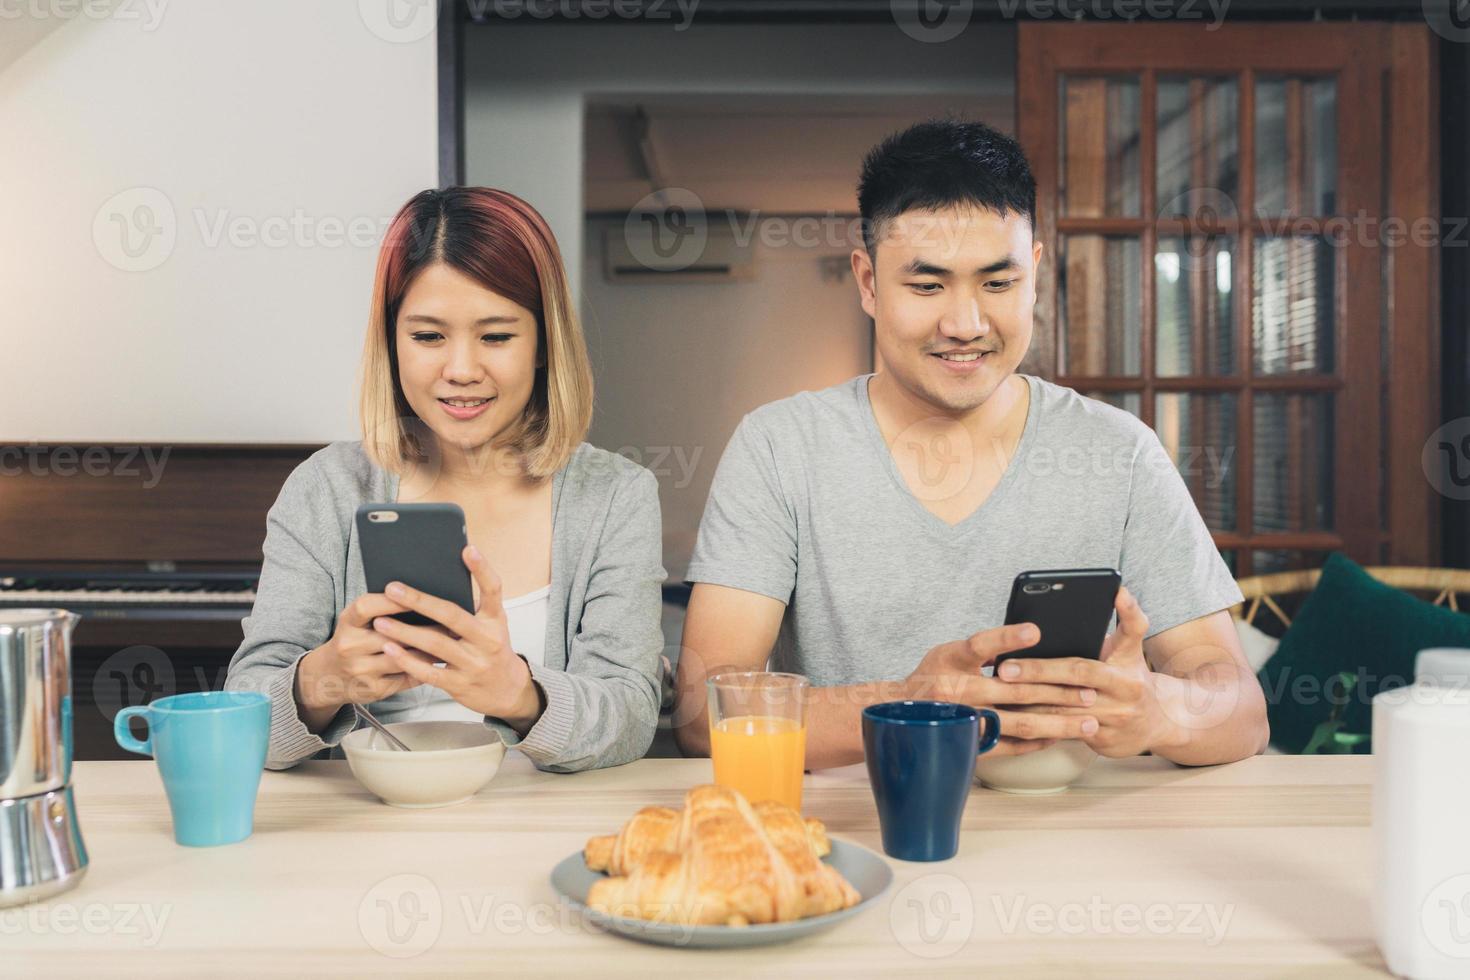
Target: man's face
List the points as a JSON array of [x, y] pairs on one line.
[[951, 297]]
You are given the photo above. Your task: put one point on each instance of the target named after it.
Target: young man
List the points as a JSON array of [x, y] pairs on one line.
[[867, 535]]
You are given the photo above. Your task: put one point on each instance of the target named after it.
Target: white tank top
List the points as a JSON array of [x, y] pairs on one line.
[[525, 615]]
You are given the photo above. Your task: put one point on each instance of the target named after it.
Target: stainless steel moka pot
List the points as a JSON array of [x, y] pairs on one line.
[[41, 849]]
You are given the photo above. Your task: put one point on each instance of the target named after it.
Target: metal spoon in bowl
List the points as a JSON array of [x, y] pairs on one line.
[[378, 726]]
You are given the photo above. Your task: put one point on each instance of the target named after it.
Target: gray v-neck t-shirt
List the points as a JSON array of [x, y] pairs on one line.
[[809, 507]]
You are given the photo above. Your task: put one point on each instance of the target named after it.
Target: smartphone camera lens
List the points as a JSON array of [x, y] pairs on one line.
[[1033, 588]]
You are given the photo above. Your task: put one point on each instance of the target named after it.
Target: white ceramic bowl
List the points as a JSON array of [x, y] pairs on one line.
[[1051, 770], [450, 761]]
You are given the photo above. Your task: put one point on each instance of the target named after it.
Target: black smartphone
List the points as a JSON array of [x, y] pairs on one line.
[[419, 545], [1071, 607]]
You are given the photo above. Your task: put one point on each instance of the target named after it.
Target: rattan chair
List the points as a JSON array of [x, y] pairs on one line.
[[1444, 584], [1263, 590]]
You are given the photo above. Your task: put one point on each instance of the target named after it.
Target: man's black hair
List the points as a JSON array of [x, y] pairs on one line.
[[941, 164]]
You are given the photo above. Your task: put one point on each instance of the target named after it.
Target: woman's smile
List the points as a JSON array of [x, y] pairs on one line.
[[464, 409]]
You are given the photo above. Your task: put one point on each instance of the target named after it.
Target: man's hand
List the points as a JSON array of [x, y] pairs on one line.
[[1135, 707], [951, 672], [729, 629]]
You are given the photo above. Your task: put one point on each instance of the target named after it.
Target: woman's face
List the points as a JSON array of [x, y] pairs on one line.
[[460, 342]]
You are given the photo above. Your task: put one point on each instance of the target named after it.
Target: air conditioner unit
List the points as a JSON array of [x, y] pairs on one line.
[[683, 250]]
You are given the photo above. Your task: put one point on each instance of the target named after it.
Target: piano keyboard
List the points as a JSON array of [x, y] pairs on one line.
[[47, 597], [227, 593]]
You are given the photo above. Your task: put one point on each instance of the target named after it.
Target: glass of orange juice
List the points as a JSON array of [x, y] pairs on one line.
[[757, 722]]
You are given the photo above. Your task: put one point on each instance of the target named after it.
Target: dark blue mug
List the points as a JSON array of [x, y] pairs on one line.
[[921, 758]]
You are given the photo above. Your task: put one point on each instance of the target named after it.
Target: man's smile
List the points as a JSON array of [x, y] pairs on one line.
[[963, 360]]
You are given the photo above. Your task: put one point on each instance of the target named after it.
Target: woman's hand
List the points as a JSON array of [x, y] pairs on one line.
[[481, 670], [350, 668]]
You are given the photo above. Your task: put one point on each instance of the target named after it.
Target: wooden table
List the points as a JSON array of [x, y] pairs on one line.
[[1141, 870]]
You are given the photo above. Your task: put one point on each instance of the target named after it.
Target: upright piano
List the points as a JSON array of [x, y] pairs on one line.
[[160, 562]]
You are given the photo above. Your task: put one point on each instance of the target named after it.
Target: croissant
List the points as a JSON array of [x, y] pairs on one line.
[[729, 864], [656, 828], [653, 828]]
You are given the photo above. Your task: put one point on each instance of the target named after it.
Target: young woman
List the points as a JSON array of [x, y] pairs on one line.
[[476, 390]]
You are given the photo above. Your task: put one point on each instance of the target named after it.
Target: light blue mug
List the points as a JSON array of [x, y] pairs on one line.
[[210, 749]]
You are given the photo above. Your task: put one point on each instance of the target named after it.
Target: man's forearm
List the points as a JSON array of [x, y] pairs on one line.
[[834, 723], [1216, 714]]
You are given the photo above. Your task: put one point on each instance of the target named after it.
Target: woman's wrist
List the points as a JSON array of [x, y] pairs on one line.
[[530, 704], [314, 712]]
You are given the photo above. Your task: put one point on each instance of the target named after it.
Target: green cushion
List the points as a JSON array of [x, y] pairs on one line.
[[1349, 622]]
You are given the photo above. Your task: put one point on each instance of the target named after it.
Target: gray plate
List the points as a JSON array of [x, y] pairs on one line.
[[866, 871]]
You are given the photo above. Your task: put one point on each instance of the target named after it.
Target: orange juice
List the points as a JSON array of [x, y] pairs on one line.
[[760, 756]]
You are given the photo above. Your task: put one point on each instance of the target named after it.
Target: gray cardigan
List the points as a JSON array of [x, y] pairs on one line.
[[603, 636]]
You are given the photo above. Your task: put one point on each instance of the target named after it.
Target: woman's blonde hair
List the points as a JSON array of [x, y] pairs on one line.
[[501, 242]]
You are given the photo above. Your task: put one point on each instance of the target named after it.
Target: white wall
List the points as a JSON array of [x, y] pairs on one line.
[[271, 140], [679, 364]]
